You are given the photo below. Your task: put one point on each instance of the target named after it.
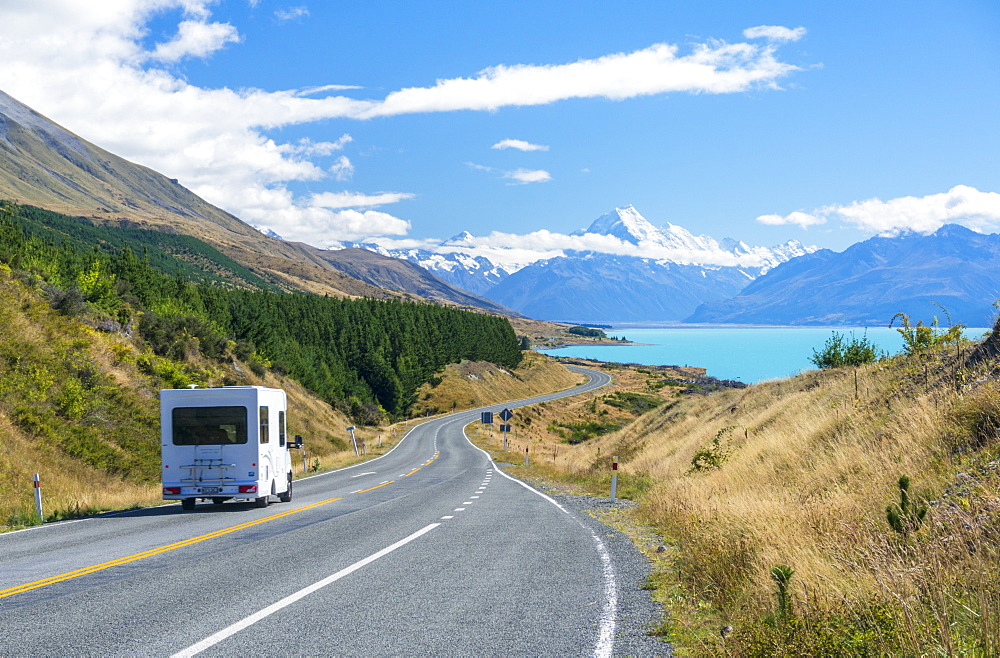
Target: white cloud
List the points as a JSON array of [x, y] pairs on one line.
[[84, 65], [525, 176], [548, 242], [798, 218], [307, 147], [774, 33], [979, 211], [519, 176], [342, 169], [356, 200], [291, 13], [312, 91], [195, 39], [370, 222], [715, 67], [514, 251], [519, 144]]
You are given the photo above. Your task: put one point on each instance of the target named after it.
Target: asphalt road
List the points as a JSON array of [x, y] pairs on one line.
[[428, 550]]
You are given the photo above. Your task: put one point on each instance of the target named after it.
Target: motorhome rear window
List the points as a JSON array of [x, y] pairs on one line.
[[209, 425]]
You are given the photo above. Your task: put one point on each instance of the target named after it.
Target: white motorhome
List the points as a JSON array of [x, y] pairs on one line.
[[225, 443]]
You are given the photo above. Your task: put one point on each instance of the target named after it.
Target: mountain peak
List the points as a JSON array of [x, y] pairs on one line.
[[625, 224], [462, 238]]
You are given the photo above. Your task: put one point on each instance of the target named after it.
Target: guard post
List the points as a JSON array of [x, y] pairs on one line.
[[614, 479], [354, 441], [38, 498]]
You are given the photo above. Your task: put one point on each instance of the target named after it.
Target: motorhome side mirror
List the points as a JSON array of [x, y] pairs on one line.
[[296, 442]]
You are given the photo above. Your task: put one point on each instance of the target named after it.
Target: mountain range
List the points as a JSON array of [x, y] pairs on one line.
[[46, 165], [660, 274], [871, 281], [632, 271]]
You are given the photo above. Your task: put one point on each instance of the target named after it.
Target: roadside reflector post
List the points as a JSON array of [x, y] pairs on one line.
[[354, 441], [379, 445], [525, 455], [614, 478], [303, 462], [38, 498]]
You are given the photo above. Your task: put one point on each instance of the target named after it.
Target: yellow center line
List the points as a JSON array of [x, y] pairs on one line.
[[376, 487], [412, 472], [156, 551]]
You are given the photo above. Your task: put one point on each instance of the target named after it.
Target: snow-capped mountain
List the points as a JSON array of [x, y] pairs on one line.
[[458, 267], [628, 225], [620, 267]]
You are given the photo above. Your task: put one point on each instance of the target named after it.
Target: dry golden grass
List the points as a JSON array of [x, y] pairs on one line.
[[472, 384], [799, 472], [69, 487]]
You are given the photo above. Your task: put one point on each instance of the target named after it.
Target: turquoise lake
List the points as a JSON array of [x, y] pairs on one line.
[[749, 354]]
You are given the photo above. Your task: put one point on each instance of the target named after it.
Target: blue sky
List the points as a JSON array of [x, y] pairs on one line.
[[768, 121]]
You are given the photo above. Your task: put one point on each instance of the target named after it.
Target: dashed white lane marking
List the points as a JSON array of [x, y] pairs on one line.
[[459, 509], [447, 517], [368, 473], [473, 497], [468, 502], [212, 640]]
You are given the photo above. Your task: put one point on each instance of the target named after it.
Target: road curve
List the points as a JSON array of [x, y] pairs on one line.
[[427, 550]]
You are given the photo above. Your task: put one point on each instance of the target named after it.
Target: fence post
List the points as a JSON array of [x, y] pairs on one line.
[[614, 478], [38, 498]]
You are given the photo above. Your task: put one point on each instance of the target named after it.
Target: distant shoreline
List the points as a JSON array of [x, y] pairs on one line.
[[587, 343]]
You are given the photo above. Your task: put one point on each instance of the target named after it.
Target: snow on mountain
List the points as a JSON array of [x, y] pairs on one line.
[[628, 225], [480, 264], [466, 270], [268, 231]]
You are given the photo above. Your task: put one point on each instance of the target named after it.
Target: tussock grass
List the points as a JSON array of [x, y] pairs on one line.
[[472, 384], [799, 472]]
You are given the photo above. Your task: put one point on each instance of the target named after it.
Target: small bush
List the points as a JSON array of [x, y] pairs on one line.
[[840, 351], [589, 332]]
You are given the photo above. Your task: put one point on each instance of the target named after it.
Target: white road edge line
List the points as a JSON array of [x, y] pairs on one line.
[[606, 633], [212, 640]]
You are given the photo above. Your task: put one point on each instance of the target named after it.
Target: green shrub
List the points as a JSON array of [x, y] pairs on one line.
[[920, 337], [589, 332], [839, 351], [634, 403]]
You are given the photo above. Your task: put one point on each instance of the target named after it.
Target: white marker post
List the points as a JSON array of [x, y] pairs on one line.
[[525, 455], [38, 498], [354, 441], [614, 479]]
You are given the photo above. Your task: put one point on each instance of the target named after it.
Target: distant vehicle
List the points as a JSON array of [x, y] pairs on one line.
[[225, 443]]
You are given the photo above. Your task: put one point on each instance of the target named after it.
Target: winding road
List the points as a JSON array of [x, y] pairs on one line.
[[429, 549]]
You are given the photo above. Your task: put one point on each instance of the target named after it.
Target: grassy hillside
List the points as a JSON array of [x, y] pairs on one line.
[[99, 319], [798, 475], [366, 356], [79, 407], [477, 383]]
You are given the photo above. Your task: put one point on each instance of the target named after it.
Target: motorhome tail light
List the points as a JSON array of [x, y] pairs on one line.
[[171, 491], [248, 488]]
